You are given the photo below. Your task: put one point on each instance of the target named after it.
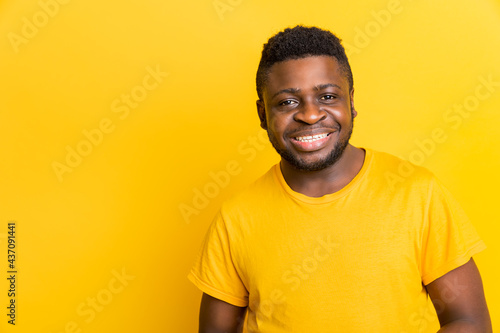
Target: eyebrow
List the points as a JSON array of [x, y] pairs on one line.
[[296, 90], [288, 90], [326, 85]]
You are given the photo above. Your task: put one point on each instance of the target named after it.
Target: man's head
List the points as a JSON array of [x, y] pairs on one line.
[[305, 89]]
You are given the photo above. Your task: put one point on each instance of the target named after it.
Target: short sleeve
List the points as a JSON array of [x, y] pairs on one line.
[[214, 271], [449, 239]]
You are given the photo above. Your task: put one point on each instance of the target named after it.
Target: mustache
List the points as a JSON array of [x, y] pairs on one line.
[[321, 126], [312, 128]]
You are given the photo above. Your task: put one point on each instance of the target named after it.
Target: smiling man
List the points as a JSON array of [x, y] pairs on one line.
[[321, 242]]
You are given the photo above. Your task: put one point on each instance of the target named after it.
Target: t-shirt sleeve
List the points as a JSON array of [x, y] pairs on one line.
[[214, 271], [449, 239]]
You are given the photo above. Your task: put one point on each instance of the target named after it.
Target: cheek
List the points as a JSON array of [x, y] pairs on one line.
[[276, 124], [343, 114]]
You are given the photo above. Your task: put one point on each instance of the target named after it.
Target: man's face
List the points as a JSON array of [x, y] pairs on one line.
[[308, 111]]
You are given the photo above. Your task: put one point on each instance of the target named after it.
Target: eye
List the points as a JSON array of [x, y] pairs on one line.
[[287, 102], [328, 97]]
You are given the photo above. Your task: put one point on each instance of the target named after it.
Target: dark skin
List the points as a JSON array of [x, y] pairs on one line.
[[217, 316], [459, 300], [305, 97], [311, 96]]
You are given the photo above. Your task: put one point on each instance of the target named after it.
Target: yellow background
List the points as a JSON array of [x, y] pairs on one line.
[[119, 209]]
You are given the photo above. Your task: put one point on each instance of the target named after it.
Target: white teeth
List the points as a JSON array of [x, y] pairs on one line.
[[311, 138]]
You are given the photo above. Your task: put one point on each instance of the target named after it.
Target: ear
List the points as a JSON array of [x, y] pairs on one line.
[[261, 110], [351, 96]]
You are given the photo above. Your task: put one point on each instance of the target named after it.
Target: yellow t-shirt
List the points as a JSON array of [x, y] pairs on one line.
[[355, 260]]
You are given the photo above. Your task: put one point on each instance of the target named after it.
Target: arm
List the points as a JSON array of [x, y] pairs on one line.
[[459, 301], [217, 316]]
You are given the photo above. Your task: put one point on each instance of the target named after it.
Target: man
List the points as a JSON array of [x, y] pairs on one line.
[[324, 241]]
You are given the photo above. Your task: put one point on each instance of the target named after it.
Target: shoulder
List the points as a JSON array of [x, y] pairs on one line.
[[396, 172], [255, 194], [240, 211]]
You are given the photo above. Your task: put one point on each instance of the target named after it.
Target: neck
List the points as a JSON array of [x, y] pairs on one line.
[[328, 180]]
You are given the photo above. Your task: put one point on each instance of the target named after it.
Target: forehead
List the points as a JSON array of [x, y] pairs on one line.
[[305, 73]]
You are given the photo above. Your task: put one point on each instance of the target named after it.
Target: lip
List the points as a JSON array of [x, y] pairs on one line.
[[311, 132], [313, 145]]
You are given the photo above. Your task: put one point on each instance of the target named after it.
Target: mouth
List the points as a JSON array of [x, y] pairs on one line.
[[310, 143], [311, 138]]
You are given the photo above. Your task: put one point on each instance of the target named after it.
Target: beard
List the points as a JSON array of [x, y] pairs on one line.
[[321, 164]]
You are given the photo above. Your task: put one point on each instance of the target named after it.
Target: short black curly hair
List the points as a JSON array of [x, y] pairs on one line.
[[301, 42]]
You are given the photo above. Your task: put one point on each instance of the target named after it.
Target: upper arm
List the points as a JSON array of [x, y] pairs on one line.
[[459, 295], [217, 316]]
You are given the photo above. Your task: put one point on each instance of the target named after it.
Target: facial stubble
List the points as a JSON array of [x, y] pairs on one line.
[[329, 160]]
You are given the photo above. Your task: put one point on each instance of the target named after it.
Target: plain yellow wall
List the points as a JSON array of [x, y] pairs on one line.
[[115, 115]]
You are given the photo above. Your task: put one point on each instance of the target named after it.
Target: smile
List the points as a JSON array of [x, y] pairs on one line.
[[310, 143], [311, 138]]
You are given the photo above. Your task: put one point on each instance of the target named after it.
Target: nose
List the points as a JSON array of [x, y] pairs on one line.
[[309, 113]]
